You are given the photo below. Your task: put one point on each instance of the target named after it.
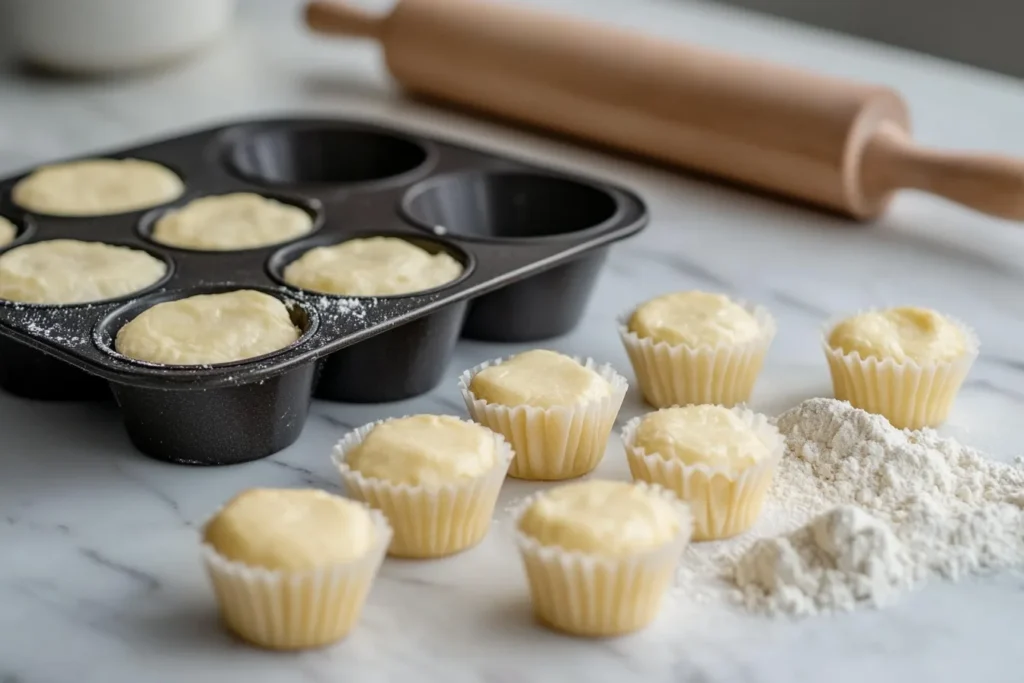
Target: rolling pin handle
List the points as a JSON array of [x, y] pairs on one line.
[[991, 184], [339, 19]]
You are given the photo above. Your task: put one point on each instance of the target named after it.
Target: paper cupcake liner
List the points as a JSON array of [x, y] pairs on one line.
[[676, 375], [283, 610], [723, 502], [428, 521], [911, 395], [594, 595], [556, 443]]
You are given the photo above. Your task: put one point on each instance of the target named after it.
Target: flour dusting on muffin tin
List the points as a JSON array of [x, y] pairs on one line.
[[531, 242]]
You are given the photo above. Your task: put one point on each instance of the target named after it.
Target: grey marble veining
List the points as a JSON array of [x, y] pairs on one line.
[[99, 574]]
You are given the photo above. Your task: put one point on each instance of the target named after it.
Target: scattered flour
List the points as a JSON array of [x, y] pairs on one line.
[[860, 512], [839, 559], [334, 309]]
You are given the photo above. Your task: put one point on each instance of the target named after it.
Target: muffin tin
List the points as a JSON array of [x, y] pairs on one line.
[[531, 241]]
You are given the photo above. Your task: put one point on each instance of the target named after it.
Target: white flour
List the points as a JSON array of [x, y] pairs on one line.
[[900, 507], [840, 558]]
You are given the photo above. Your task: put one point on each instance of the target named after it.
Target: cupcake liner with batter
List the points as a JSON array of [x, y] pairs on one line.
[[910, 394], [678, 375], [288, 610], [724, 501], [596, 595], [561, 442], [428, 521]]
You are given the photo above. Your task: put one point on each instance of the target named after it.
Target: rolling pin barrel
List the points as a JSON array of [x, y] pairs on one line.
[[841, 145]]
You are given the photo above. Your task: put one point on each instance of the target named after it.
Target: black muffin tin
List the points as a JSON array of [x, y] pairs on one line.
[[531, 242]]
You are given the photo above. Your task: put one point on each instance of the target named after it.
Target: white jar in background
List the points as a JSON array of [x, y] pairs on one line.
[[109, 36]]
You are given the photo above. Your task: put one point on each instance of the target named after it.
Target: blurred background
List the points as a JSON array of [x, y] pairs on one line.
[[981, 33], [984, 33]]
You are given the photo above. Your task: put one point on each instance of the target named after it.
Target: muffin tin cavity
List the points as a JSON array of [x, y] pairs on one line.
[[508, 205], [285, 256], [530, 242], [222, 426], [302, 315], [30, 373], [227, 426], [23, 230], [324, 154], [403, 362], [159, 185], [313, 207], [164, 279]]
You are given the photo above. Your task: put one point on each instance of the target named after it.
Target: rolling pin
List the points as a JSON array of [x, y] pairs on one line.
[[838, 144]]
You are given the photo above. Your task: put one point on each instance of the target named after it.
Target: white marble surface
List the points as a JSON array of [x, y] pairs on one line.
[[99, 576]]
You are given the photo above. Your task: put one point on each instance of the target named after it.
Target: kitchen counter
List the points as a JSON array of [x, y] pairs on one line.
[[99, 573]]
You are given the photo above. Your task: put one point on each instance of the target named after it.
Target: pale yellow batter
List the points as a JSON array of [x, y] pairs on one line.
[[290, 529], [694, 319], [242, 220], [428, 450], [539, 378], [601, 517], [73, 272], [703, 434], [209, 328], [374, 266], [96, 187], [7, 231], [903, 334]]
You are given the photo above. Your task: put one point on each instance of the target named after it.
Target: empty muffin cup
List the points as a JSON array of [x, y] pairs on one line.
[[399, 363], [324, 154], [520, 207], [221, 425]]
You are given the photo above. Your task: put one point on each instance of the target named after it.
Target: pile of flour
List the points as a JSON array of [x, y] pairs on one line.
[[861, 512]]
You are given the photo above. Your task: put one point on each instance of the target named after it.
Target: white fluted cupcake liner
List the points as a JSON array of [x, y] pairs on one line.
[[676, 375], [428, 521], [598, 596], [284, 610], [911, 395], [723, 502], [551, 444]]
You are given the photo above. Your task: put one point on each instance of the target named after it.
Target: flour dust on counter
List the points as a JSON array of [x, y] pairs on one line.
[[860, 513]]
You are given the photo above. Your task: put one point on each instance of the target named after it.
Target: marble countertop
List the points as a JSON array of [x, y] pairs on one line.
[[99, 573]]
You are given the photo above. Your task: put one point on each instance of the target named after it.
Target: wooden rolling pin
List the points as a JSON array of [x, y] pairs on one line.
[[838, 144]]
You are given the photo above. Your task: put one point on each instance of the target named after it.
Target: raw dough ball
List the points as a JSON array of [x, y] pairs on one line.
[[73, 272], [209, 328], [703, 434], [242, 220], [694, 319], [7, 231], [374, 266], [97, 187], [429, 450], [917, 334], [539, 378], [601, 517], [290, 529]]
